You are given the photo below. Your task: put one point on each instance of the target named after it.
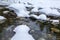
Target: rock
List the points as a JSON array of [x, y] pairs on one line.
[[9, 14], [55, 30], [41, 39]]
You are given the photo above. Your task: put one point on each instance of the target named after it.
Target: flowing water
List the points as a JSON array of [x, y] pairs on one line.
[[35, 31], [38, 31]]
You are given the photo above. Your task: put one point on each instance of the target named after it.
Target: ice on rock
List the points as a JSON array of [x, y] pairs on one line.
[[42, 16], [50, 12], [22, 33]]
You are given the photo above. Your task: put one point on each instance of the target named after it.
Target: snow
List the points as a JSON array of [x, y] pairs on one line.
[[47, 3], [21, 9], [23, 14], [50, 12], [2, 18], [34, 10], [22, 33], [55, 21], [18, 6], [42, 16]]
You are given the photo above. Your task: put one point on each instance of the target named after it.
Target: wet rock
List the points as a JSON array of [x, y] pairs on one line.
[[41, 39], [35, 33], [55, 30], [10, 14], [1, 7], [33, 19], [36, 13], [9, 32], [5, 12]]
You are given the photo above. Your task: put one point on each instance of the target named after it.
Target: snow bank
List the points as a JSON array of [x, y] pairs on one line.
[[22, 33], [45, 4], [21, 9], [50, 12], [17, 6]]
